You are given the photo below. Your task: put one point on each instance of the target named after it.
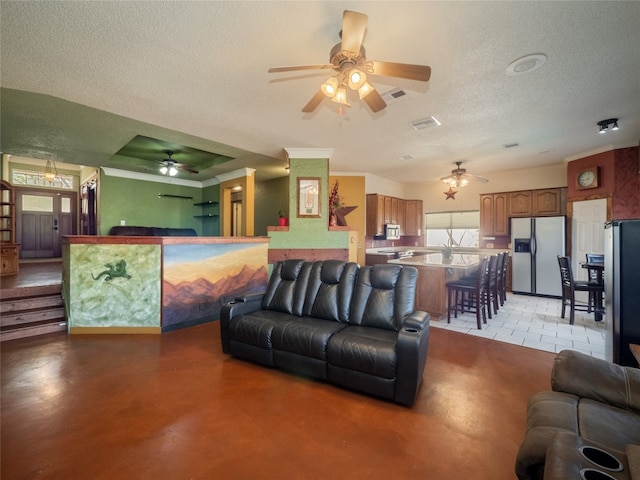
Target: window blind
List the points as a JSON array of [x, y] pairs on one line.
[[456, 220]]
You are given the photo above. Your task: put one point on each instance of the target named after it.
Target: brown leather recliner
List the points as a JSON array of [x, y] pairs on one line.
[[595, 400]]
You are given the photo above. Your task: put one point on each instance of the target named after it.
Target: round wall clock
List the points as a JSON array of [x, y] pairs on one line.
[[587, 178]]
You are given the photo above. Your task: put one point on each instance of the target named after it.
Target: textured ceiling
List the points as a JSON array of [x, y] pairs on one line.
[[82, 79]]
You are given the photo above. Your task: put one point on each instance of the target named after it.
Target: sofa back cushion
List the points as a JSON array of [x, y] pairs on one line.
[[330, 290], [384, 296], [287, 286]]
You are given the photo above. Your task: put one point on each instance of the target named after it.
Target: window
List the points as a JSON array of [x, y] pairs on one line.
[[456, 229], [36, 179]]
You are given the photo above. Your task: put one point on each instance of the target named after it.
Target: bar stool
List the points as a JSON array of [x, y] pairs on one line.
[[469, 294]]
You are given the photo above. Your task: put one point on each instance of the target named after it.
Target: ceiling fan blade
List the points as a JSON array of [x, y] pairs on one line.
[[375, 101], [477, 177], [295, 68], [186, 168], [401, 70], [314, 102], [354, 25]]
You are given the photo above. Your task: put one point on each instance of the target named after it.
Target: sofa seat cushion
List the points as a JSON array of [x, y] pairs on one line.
[[607, 424], [306, 336], [256, 328], [365, 349]]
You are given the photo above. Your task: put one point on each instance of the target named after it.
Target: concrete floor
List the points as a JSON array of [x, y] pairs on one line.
[[173, 406]]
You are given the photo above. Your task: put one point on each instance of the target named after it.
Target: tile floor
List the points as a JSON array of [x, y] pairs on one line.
[[534, 322]]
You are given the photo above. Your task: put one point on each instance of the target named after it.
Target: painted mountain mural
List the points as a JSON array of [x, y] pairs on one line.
[[197, 282]]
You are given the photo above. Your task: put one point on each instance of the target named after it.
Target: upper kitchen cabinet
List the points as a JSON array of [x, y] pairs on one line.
[[413, 218], [375, 214], [549, 202], [520, 204], [493, 214], [382, 210], [538, 203]]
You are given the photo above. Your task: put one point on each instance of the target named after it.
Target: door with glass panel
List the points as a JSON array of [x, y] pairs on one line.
[[42, 219]]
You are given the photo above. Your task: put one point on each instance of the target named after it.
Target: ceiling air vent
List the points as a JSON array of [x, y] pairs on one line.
[[424, 123], [393, 95]]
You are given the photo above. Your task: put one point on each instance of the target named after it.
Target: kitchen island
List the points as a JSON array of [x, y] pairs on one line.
[[434, 272]]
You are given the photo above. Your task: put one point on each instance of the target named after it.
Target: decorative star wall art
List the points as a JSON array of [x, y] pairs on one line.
[[451, 194]]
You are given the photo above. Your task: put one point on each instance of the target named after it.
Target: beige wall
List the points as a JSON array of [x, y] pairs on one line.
[[467, 198]]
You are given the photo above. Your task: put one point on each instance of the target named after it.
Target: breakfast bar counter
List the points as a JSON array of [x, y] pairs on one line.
[[434, 271]]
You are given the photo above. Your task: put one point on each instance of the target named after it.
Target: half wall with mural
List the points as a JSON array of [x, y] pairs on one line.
[[157, 284]]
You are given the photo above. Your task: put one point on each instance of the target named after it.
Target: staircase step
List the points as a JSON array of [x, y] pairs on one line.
[[32, 316], [31, 303], [33, 330]]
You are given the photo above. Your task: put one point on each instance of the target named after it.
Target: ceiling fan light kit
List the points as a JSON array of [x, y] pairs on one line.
[[460, 178], [348, 59]]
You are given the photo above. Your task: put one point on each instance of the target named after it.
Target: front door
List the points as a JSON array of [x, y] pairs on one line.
[[42, 218]]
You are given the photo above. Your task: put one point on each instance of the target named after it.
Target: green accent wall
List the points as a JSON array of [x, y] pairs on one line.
[[309, 232], [137, 203], [270, 197], [210, 225]]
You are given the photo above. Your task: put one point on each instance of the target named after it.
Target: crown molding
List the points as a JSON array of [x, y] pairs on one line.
[[114, 172], [242, 172], [309, 152]]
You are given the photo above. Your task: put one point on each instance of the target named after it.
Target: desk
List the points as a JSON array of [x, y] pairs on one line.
[[598, 268]]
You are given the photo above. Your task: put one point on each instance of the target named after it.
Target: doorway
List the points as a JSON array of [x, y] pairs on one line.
[[43, 217], [587, 225]]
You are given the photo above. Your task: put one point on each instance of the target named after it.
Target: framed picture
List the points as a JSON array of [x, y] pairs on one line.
[[308, 197]]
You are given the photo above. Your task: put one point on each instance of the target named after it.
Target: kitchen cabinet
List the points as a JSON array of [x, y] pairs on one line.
[[549, 202], [375, 214], [382, 209], [413, 218], [387, 210], [402, 215], [520, 204], [545, 202], [493, 214]]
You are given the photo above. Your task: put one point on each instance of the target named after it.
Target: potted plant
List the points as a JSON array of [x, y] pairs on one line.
[[282, 220]]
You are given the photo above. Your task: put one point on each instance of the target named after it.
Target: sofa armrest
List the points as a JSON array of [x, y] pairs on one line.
[[242, 305], [417, 320], [250, 297], [588, 377], [411, 350]]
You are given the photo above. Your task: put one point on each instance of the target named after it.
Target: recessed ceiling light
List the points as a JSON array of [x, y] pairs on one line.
[[526, 64]]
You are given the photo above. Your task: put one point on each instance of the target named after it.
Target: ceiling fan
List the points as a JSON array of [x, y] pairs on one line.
[[460, 178], [170, 167], [349, 60]]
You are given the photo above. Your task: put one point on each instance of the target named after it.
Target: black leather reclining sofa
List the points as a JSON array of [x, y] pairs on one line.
[[352, 326]]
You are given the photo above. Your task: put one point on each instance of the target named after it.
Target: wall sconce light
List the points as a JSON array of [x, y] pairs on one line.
[[604, 125], [50, 171]]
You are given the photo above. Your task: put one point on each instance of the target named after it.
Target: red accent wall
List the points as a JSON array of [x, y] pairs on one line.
[[626, 194], [619, 179], [605, 162]]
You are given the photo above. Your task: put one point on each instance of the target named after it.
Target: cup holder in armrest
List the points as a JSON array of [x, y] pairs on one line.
[[602, 459], [592, 474], [411, 330]]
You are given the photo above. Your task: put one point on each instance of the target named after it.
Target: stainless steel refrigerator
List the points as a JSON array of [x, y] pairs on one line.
[[536, 243], [622, 289]]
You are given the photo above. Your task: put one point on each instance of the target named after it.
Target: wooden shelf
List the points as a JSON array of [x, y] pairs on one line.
[[8, 247]]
